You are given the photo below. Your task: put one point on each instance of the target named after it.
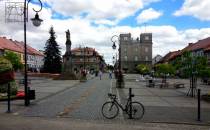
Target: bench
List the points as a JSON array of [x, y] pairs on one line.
[[178, 85]]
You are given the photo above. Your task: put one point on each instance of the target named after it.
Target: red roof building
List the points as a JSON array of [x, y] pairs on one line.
[[35, 58], [200, 48], [85, 58]]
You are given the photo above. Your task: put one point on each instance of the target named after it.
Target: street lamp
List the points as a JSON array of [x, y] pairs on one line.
[[36, 22], [119, 75]]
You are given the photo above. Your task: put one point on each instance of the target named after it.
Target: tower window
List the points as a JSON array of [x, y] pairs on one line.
[[126, 58], [146, 58], [146, 49], [125, 38], [146, 37], [136, 58]]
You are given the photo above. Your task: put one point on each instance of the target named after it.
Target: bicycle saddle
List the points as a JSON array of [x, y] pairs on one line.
[[111, 95]]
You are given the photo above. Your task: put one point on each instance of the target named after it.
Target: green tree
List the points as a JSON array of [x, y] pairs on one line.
[[52, 59], [163, 69], [143, 69], [14, 59], [5, 65], [193, 64]]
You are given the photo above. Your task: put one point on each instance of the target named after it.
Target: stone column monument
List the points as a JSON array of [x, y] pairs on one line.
[[67, 72]]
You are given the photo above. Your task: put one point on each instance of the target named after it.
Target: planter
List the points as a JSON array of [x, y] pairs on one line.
[[206, 97], [6, 77]]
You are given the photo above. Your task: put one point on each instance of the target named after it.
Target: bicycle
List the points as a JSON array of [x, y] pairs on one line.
[[110, 109]]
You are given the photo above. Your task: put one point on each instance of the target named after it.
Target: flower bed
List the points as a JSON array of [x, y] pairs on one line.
[[20, 95], [6, 71], [6, 77]]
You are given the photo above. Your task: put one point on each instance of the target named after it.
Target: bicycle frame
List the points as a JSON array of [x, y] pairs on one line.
[[121, 106]]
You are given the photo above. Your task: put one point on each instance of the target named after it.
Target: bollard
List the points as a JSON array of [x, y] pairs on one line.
[[199, 105], [8, 98], [130, 105], [28, 96]]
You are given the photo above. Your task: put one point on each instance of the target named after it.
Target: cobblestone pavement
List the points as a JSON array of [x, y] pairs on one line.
[[166, 104], [37, 123], [83, 101], [44, 88]]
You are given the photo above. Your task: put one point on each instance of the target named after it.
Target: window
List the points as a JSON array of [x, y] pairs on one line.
[[146, 58], [125, 38], [136, 58], [126, 58], [146, 49], [146, 37], [125, 49], [136, 49]]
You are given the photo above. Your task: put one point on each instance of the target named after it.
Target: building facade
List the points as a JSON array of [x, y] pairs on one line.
[[135, 52], [78, 59], [199, 48], [87, 58], [34, 57]]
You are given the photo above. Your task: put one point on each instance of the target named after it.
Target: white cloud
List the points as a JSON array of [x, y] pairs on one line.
[[165, 38], [196, 8], [100, 10], [147, 15]]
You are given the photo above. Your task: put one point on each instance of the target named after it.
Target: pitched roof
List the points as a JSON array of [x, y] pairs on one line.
[[170, 56], [201, 44], [30, 50], [17, 46], [9, 45], [79, 49]]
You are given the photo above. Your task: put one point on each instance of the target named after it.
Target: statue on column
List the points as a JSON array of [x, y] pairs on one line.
[[68, 35], [67, 72], [68, 43]]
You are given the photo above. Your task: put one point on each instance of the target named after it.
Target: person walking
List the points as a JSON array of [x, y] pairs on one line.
[[110, 74], [100, 74]]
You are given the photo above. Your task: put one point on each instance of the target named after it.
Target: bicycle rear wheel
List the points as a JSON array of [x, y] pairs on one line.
[[110, 110], [137, 110]]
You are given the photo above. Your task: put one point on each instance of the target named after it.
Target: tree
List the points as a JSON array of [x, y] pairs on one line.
[[163, 69], [14, 59], [143, 69], [52, 59], [193, 64]]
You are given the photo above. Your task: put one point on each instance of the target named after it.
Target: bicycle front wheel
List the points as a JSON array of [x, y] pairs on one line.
[[137, 110], [110, 110]]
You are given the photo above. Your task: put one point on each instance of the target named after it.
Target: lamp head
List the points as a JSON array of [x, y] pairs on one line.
[[36, 20], [114, 46]]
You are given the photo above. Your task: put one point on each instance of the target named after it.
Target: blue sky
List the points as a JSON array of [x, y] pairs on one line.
[[168, 7], [173, 23]]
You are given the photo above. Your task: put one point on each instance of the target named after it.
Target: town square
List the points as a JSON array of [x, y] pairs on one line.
[[88, 64]]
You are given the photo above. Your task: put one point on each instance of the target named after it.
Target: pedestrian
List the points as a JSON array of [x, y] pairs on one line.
[[110, 74], [100, 74]]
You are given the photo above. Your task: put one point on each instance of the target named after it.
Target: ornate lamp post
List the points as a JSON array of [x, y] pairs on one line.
[[36, 22], [119, 75]]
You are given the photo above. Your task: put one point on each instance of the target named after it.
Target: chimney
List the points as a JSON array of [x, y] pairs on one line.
[[189, 44]]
